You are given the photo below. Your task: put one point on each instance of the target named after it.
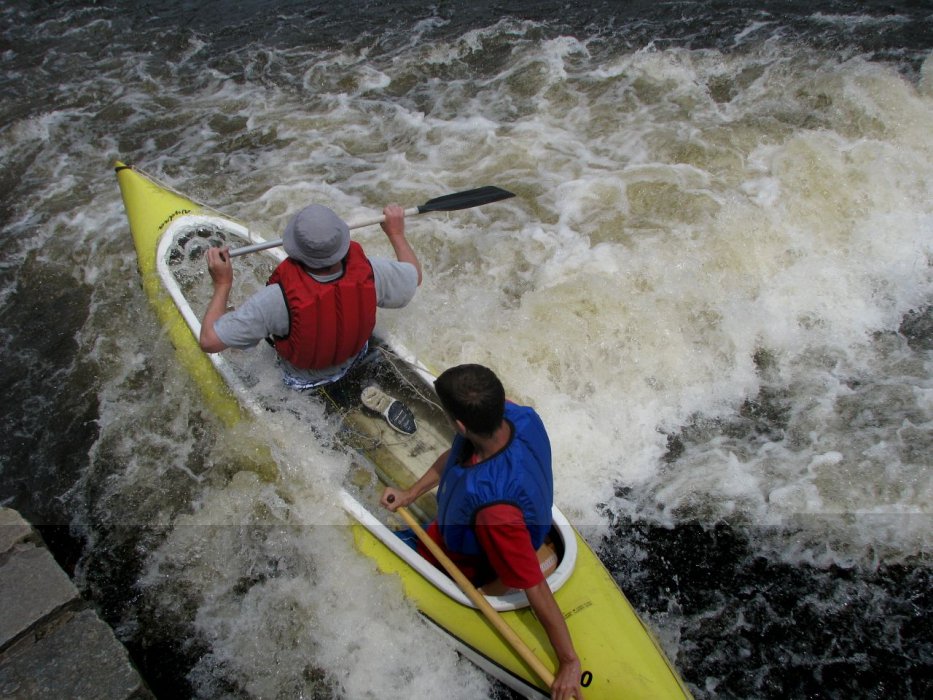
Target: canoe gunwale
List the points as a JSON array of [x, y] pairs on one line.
[[514, 600], [166, 241]]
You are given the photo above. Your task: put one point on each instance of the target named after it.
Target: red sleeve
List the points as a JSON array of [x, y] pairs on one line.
[[505, 539]]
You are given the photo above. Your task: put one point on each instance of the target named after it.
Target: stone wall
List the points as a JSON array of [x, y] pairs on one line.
[[52, 642]]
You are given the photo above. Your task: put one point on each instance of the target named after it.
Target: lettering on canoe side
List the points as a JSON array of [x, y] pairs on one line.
[[579, 608], [172, 216]]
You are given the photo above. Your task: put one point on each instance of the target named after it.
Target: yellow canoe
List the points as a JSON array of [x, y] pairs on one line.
[[620, 657]]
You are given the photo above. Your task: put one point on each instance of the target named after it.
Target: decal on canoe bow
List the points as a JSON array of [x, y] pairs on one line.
[[174, 215]]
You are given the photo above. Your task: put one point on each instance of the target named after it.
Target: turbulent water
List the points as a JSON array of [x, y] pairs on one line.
[[714, 284]]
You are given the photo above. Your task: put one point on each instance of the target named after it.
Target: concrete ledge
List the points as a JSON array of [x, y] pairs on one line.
[[15, 530], [52, 644], [32, 588]]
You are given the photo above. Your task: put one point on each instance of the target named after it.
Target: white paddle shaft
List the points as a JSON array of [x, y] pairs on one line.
[[243, 250]]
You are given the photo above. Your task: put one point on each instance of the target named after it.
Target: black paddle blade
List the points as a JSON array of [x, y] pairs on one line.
[[465, 200]]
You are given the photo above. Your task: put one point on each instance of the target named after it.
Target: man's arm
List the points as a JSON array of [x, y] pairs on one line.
[[428, 480], [567, 679], [394, 227], [221, 269], [504, 537]]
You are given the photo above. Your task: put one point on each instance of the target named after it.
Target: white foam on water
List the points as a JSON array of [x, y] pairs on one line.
[[859, 21], [641, 295], [283, 600]]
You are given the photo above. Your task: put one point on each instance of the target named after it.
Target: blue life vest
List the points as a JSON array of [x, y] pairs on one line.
[[519, 475]]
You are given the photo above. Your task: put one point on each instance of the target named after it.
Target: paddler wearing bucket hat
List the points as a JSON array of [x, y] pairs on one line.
[[319, 307]]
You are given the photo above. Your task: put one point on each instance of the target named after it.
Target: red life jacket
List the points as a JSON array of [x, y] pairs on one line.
[[329, 322]]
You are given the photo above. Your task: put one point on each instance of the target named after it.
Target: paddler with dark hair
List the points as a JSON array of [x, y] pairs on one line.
[[319, 307], [495, 492]]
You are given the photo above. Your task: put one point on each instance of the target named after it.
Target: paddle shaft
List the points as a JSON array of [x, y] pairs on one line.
[[242, 250], [479, 600], [448, 202]]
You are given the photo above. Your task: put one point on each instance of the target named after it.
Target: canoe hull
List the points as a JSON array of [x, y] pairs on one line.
[[617, 650]]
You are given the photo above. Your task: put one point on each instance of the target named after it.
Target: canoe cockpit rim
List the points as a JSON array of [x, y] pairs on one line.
[[177, 228], [510, 601]]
